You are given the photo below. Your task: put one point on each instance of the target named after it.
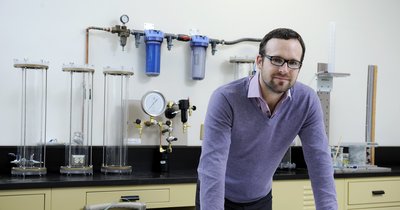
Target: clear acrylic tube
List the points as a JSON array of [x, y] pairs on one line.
[[78, 156], [30, 157], [115, 149]]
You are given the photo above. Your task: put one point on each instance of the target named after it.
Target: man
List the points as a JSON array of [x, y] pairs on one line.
[[250, 124]]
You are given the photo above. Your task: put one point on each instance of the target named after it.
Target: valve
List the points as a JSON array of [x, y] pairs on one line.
[[167, 128], [170, 111], [151, 122], [122, 31], [186, 108], [169, 38], [213, 46], [139, 126], [170, 139], [137, 38]]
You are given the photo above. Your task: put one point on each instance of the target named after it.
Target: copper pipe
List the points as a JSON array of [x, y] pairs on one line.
[[87, 40]]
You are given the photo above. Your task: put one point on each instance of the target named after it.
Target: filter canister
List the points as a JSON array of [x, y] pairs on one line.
[[153, 40], [199, 46]]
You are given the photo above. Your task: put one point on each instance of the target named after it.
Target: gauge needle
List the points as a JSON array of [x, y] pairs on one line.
[[155, 100]]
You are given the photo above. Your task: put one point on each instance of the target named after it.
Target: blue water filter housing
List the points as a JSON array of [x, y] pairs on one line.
[[199, 45], [153, 40]]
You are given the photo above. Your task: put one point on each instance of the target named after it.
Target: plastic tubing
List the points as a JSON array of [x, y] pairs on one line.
[[240, 40]]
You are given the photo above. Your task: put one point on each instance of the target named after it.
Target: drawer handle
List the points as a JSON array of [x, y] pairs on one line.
[[130, 198], [378, 192]]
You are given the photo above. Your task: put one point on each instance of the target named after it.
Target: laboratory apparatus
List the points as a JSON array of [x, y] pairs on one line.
[[244, 66], [183, 107], [337, 155], [198, 44], [31, 151], [324, 87], [78, 151], [153, 103], [286, 162], [357, 154], [115, 127], [122, 31], [153, 39], [371, 114]]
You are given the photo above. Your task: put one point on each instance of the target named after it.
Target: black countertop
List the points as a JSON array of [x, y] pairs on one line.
[[185, 176], [182, 166], [58, 181]]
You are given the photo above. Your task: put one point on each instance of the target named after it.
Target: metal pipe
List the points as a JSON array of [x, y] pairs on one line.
[[371, 107], [87, 40], [168, 36]]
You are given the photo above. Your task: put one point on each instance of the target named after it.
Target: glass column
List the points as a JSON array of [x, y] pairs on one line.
[[31, 152], [78, 151], [115, 150]]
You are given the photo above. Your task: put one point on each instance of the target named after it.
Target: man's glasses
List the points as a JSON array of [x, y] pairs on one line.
[[278, 61]]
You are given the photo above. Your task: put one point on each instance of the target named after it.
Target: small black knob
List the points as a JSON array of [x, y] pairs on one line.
[[138, 121], [170, 113]]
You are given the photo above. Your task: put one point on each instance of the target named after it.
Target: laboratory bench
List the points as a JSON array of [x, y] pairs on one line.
[[176, 189], [8, 182]]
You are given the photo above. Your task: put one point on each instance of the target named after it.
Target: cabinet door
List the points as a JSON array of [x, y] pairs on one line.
[[298, 194], [378, 193], [383, 208], [374, 191], [292, 194], [154, 196], [24, 199], [68, 198]]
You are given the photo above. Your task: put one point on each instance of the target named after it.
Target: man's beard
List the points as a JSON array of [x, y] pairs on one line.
[[278, 86]]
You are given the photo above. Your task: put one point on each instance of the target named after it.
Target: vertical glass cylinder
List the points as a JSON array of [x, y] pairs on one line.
[[243, 66], [115, 149], [78, 152], [31, 154]]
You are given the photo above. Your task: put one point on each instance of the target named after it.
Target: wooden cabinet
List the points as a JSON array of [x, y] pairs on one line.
[[382, 193], [373, 193], [25, 199], [154, 196], [297, 194]]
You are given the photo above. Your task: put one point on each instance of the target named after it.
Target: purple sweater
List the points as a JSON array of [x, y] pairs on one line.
[[242, 147]]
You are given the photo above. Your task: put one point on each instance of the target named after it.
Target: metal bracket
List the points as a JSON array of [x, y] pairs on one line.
[[324, 87]]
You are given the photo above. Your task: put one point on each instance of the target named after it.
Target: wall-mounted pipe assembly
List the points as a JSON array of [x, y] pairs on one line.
[[153, 40]]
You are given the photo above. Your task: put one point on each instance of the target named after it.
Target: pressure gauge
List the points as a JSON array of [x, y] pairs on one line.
[[153, 103], [124, 19]]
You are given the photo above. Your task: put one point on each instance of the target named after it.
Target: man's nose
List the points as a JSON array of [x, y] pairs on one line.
[[284, 68]]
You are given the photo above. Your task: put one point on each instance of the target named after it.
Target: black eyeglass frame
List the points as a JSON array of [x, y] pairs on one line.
[[285, 61]]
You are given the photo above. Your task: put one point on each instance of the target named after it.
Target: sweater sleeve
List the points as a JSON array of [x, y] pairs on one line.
[[214, 155], [317, 156]]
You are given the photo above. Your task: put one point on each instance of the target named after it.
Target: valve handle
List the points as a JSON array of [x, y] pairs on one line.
[[183, 37]]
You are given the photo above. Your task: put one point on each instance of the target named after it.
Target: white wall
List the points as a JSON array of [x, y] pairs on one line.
[[366, 33]]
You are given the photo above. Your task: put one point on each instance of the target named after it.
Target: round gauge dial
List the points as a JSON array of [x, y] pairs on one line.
[[153, 103], [124, 19]]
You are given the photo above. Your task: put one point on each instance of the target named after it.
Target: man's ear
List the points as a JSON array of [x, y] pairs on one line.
[[259, 61]]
